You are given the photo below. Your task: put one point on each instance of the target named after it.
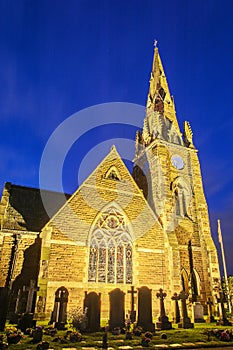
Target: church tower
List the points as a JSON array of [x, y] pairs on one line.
[[167, 169]]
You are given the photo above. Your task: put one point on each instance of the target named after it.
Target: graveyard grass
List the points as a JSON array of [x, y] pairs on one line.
[[198, 335]]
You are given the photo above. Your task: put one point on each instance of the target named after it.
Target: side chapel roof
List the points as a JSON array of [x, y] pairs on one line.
[[22, 208]]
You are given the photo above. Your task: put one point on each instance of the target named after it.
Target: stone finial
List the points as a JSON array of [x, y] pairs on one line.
[[146, 134], [188, 135]]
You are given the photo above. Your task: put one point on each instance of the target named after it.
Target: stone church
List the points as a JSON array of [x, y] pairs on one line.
[[120, 237]]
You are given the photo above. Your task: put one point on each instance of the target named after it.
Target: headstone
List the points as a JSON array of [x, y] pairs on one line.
[[145, 309], [222, 312], [105, 341], [40, 306], [3, 307], [26, 321], [59, 315], [132, 311], [210, 312], [92, 303], [176, 297], [163, 323], [198, 314], [21, 302], [31, 289], [117, 309], [185, 320], [37, 335]]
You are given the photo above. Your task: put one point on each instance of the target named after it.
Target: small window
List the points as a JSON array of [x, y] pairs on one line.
[[112, 174], [162, 93]]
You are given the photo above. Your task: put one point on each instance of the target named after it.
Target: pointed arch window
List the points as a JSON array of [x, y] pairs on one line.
[[182, 197], [113, 174], [110, 251]]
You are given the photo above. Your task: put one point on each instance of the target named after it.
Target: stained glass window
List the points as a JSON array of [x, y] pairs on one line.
[[128, 258], [120, 264], [102, 263], [111, 264], [110, 255], [93, 263]]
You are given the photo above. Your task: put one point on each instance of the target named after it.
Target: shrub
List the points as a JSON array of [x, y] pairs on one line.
[[14, 338], [128, 336], [225, 336], [148, 335], [78, 319], [145, 341], [50, 331], [137, 331], [3, 345], [43, 346]]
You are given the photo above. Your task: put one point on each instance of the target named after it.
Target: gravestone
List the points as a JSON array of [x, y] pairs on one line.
[[210, 312], [222, 312], [21, 302], [117, 309], [37, 335], [163, 319], [132, 311], [176, 297], [105, 341], [185, 320], [145, 309], [59, 315], [26, 321], [198, 314], [40, 306], [92, 303], [31, 289], [3, 307]]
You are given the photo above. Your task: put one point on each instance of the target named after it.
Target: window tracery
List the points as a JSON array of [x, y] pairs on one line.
[[110, 252]]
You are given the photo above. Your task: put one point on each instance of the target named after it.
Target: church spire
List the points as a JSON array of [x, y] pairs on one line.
[[159, 99]]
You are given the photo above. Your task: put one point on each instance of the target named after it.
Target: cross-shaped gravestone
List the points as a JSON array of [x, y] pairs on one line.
[[176, 297], [161, 295], [132, 312], [210, 313], [31, 289], [222, 312], [185, 320], [163, 319]]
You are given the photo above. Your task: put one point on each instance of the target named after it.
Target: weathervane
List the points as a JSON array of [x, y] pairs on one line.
[[155, 43]]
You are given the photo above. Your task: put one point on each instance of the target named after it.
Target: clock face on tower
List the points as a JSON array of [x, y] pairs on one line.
[[177, 162]]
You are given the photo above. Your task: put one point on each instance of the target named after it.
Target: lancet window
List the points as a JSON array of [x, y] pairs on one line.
[[110, 251], [182, 196]]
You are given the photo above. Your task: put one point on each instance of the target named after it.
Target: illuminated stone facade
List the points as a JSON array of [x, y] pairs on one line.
[[117, 230]]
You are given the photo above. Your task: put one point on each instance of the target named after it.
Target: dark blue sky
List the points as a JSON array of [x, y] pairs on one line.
[[58, 57]]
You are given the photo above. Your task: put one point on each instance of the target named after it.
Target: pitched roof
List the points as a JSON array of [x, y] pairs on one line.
[[23, 208]]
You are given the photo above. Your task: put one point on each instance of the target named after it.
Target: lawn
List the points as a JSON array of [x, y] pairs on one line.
[[198, 335]]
